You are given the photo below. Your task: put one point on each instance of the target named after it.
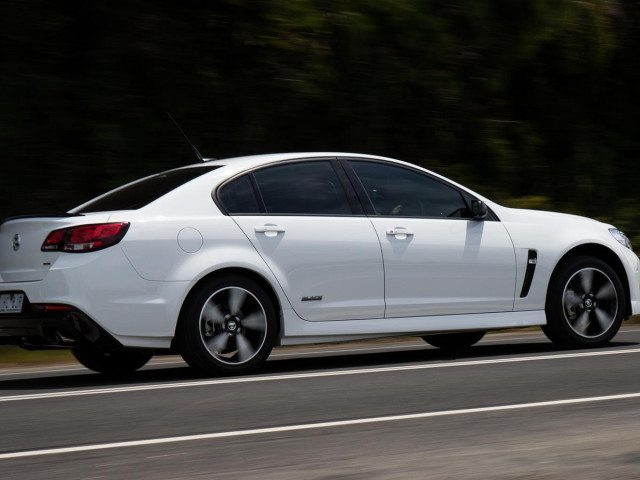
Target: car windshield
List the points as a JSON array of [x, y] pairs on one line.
[[143, 192]]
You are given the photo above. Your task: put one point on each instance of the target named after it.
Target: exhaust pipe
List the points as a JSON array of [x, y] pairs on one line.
[[62, 339], [85, 327]]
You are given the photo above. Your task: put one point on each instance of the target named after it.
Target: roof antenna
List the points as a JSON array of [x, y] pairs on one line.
[[195, 150]]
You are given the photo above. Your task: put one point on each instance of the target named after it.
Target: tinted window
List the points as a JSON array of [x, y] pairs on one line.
[[142, 193], [238, 196], [302, 188], [403, 192]]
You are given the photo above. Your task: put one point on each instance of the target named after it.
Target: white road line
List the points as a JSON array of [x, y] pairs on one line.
[[313, 426], [295, 376]]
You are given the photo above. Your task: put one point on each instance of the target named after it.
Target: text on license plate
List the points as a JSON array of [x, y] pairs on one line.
[[11, 302]]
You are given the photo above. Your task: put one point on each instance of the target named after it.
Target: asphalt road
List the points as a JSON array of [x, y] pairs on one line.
[[513, 407]]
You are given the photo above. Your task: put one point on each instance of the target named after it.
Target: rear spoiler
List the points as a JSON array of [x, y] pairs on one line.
[[42, 215]]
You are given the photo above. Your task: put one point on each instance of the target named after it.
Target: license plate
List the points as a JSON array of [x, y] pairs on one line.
[[11, 302]]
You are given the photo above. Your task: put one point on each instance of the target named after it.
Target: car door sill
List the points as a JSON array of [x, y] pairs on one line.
[[298, 331]]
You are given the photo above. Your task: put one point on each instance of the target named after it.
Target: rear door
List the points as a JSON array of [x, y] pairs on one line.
[[304, 220]]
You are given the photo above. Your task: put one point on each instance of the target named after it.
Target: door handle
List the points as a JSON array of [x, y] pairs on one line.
[[269, 230], [399, 232]]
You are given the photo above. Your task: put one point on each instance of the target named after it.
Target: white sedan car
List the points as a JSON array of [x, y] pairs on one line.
[[224, 260]]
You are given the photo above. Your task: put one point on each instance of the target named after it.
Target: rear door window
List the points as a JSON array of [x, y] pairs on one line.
[[304, 188], [238, 196]]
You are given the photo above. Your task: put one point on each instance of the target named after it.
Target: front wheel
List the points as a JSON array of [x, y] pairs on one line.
[[585, 304], [454, 341], [229, 325], [112, 363]]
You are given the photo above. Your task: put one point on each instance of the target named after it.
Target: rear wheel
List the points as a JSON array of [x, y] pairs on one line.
[[228, 326], [585, 303], [454, 341], [113, 363]]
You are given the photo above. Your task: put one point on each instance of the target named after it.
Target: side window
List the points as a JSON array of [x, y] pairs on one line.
[[402, 192], [302, 188], [238, 196]]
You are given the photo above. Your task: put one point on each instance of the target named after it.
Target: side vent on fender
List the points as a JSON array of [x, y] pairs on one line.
[[532, 260]]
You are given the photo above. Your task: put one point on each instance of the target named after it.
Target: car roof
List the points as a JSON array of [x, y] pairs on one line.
[[234, 165], [250, 161]]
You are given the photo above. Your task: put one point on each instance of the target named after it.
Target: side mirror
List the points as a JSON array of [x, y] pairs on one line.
[[479, 209]]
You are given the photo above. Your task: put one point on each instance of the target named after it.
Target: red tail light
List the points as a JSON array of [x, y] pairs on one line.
[[58, 307], [85, 238]]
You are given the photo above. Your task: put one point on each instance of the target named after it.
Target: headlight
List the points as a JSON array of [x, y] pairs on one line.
[[620, 237]]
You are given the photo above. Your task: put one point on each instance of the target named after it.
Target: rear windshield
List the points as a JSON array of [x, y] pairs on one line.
[[142, 193]]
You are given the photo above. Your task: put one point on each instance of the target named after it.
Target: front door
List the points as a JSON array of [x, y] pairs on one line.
[[437, 260]]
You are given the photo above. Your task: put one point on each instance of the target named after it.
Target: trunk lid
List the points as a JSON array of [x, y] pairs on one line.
[[21, 238]]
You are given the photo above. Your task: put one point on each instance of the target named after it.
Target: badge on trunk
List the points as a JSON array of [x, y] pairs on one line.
[[16, 242]]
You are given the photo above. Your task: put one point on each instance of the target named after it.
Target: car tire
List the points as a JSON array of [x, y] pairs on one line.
[[228, 326], [112, 363], [454, 341], [585, 303]]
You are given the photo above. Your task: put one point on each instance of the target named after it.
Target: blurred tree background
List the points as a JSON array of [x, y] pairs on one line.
[[533, 103]]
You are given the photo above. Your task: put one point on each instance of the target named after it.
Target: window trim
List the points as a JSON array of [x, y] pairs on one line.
[[368, 204], [262, 207], [350, 194]]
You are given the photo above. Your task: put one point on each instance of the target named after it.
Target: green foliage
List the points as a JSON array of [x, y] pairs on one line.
[[13, 355], [532, 102], [534, 202]]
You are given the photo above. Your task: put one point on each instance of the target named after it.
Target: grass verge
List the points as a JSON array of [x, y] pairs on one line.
[[11, 355]]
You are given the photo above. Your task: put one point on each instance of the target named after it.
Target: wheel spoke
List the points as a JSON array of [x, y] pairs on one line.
[[582, 322], [604, 319], [217, 343], [255, 321], [213, 313], [586, 280], [245, 350], [237, 298], [571, 299], [606, 292]]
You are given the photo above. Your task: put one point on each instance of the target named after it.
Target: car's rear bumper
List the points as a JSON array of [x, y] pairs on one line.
[[103, 287], [63, 327]]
